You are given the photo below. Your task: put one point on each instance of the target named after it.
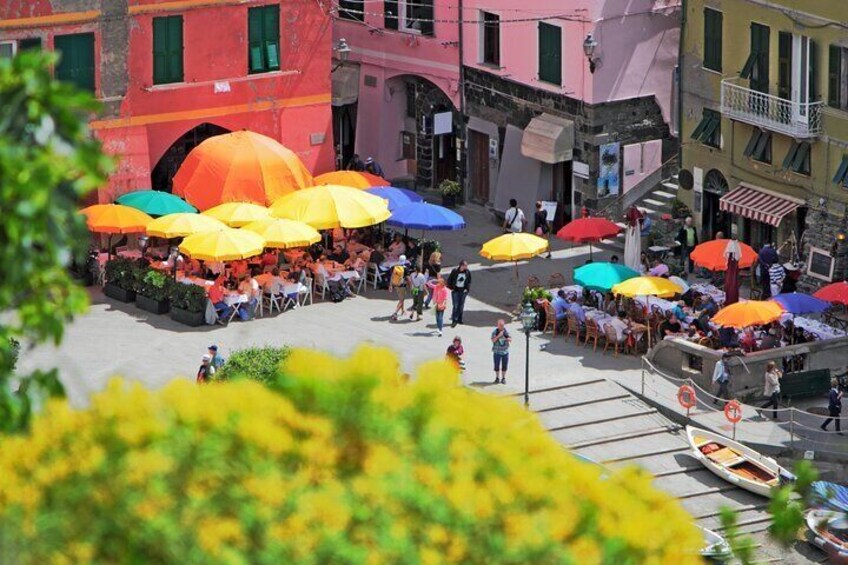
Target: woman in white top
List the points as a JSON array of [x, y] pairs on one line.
[[772, 387]]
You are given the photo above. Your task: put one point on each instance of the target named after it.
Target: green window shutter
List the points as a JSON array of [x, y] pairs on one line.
[[841, 176], [390, 14], [813, 71], [263, 38], [272, 37], [752, 143], [790, 156], [784, 65], [256, 59], [175, 53], [834, 73], [550, 53], [167, 50], [760, 45], [713, 20], [77, 63], [762, 152], [160, 50]]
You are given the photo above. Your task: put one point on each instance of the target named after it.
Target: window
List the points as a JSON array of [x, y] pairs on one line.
[[77, 59], [841, 177], [411, 16], [263, 24], [353, 10], [837, 78], [784, 65], [491, 38], [759, 146], [167, 50], [712, 39], [550, 53], [798, 158], [756, 67], [708, 131], [7, 49]]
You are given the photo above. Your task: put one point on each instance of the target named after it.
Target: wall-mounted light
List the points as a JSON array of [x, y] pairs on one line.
[[342, 51], [589, 46]]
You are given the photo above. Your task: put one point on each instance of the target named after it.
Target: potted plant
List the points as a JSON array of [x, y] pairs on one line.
[[154, 292], [450, 190], [121, 279], [188, 304]]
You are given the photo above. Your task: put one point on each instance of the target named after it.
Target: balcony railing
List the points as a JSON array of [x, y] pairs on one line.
[[800, 121]]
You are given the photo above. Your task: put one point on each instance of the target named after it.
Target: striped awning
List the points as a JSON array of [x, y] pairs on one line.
[[758, 204]]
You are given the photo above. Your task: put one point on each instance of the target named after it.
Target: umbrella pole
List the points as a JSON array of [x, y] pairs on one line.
[[590, 251], [648, 319], [109, 246]]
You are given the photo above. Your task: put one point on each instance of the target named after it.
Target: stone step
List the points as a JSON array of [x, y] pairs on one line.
[[654, 203], [672, 186], [663, 194]]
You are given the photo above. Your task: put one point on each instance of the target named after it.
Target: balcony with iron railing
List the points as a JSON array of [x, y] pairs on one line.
[[795, 119]]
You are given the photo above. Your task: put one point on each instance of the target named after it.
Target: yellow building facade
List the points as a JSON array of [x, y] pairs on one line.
[[764, 126]]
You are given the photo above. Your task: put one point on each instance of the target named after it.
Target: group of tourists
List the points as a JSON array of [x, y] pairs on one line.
[[426, 288]]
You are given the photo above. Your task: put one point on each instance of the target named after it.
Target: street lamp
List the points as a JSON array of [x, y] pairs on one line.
[[342, 50], [528, 324], [589, 45]]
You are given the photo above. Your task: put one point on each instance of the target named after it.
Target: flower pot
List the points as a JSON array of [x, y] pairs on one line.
[[118, 293], [193, 319], [151, 305], [449, 200]]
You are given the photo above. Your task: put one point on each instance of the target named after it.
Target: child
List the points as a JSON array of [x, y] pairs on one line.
[[455, 352]]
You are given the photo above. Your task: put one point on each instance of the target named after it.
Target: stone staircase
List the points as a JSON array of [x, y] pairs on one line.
[[654, 204]]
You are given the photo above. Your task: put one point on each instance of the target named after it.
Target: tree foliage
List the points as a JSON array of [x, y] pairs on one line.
[[339, 461], [48, 161]]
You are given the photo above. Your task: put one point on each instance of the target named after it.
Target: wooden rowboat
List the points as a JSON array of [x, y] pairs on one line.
[[829, 531], [736, 463]]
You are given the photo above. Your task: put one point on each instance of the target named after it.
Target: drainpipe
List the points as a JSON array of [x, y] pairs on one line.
[[680, 59], [461, 137]]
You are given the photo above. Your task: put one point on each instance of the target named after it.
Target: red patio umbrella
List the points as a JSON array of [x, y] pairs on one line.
[[587, 230], [835, 292], [711, 255]]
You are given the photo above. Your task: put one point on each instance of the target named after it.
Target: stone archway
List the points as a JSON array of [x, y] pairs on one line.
[[713, 219], [161, 177]]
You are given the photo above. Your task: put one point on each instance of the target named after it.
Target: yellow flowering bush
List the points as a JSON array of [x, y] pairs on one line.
[[338, 461]]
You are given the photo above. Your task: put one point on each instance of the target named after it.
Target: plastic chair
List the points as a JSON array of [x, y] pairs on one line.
[[373, 275], [308, 284], [321, 287], [273, 301]]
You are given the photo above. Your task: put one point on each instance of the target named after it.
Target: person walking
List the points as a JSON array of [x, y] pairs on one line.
[[439, 295], [418, 288], [542, 227], [514, 219], [721, 375], [772, 387], [776, 275], [434, 269], [373, 167], [204, 374], [687, 237], [459, 283], [500, 351], [216, 359], [398, 282], [834, 406]]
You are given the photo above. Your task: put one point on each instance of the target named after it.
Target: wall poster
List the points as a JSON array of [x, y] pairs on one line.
[[608, 177]]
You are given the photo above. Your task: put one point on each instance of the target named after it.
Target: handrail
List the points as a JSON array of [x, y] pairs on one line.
[[618, 200]]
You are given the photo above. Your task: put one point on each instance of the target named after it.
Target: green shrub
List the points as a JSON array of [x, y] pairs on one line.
[[126, 273], [155, 285], [533, 294], [188, 297], [679, 209], [256, 363], [450, 187]]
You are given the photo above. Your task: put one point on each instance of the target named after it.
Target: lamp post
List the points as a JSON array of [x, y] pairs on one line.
[[589, 45], [528, 324]]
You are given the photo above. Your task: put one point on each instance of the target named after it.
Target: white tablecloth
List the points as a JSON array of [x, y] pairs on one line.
[[818, 329], [664, 305], [572, 290], [703, 288], [602, 318], [234, 298]]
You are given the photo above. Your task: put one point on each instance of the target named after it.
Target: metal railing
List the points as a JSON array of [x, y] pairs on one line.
[[770, 112]]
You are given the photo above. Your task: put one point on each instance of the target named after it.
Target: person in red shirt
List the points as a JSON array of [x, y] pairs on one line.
[[216, 295]]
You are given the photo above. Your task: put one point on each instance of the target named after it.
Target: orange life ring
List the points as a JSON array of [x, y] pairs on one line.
[[686, 396], [733, 411]]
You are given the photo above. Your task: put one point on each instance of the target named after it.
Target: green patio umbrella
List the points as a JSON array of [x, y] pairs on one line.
[[602, 276], [156, 202]]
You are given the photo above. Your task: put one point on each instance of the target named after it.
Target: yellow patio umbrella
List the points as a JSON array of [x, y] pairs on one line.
[[284, 234], [183, 224], [332, 206], [237, 214], [224, 245], [647, 286], [514, 247], [115, 218], [748, 313]]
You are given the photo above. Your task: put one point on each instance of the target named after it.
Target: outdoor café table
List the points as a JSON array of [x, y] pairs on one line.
[[664, 305], [708, 289], [265, 277], [572, 290], [131, 254], [819, 330]]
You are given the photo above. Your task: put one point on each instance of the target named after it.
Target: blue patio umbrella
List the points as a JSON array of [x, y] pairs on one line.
[[425, 216], [397, 197], [797, 303], [602, 276], [156, 202]]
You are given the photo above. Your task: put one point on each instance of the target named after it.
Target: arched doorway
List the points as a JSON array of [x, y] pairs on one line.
[[714, 220], [163, 173]]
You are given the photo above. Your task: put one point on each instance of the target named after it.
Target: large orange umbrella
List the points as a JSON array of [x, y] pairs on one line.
[[242, 166], [749, 313], [115, 218], [355, 179], [710, 255]]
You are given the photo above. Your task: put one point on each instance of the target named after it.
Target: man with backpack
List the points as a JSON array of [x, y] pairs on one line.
[[418, 288], [459, 282], [514, 219], [398, 281]]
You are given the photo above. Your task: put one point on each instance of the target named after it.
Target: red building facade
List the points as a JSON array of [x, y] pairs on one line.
[[171, 73]]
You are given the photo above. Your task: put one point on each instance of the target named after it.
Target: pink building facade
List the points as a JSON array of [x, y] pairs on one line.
[[546, 121], [396, 92]]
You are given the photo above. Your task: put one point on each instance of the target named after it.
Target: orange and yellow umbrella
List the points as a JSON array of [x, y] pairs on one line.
[[242, 166], [710, 255], [355, 179], [115, 218], [749, 313]]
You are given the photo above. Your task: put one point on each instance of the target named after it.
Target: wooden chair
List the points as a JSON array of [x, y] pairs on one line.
[[611, 339], [550, 318], [592, 334], [573, 327], [556, 280], [533, 282]]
